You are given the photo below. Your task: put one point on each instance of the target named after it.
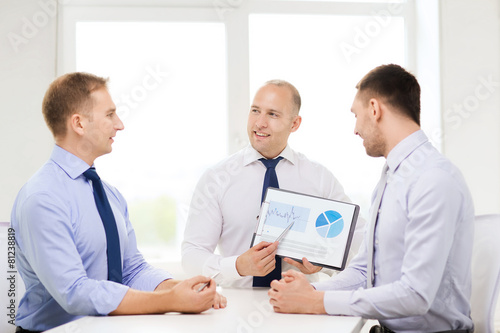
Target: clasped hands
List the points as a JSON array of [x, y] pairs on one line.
[[294, 294]]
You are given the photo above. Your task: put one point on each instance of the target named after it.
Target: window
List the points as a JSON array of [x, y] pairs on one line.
[[183, 76], [313, 52], [168, 82]]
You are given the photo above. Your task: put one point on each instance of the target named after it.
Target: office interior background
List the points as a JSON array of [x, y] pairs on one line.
[[183, 73]]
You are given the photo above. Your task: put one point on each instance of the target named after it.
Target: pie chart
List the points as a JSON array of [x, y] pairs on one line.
[[329, 224]]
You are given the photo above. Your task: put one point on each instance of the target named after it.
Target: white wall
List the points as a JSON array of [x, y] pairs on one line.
[[471, 114], [27, 66], [469, 53]]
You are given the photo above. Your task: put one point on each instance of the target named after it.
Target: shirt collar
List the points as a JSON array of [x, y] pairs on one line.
[[251, 155], [69, 163], [404, 149]]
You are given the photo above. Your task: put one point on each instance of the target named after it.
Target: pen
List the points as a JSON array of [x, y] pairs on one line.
[[280, 237], [203, 286]]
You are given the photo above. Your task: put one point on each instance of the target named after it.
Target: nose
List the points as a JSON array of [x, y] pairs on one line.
[[356, 132], [119, 124], [261, 121]]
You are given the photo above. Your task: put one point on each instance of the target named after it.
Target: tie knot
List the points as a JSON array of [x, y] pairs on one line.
[[271, 163], [92, 175]]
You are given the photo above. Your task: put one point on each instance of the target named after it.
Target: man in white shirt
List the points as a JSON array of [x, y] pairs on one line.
[[412, 272], [227, 199]]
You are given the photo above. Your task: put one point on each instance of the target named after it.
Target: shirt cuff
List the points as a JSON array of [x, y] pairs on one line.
[[228, 268], [338, 302], [322, 285], [107, 296], [150, 278], [159, 278]]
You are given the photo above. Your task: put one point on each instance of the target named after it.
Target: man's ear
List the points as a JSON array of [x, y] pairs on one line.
[[77, 123], [296, 123], [376, 109]]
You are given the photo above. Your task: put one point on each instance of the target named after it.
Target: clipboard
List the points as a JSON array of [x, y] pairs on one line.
[[322, 228]]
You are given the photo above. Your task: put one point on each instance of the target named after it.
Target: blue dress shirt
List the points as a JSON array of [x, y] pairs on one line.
[[61, 247], [422, 248]]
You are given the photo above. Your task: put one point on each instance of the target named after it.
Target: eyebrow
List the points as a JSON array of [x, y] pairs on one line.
[[268, 110]]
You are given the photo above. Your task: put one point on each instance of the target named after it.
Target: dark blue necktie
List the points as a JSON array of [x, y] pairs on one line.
[[270, 180], [108, 220]]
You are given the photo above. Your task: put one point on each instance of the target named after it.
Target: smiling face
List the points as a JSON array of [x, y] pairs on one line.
[[366, 126], [271, 120], [101, 124]]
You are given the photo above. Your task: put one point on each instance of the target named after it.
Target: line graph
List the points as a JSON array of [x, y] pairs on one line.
[[280, 215]]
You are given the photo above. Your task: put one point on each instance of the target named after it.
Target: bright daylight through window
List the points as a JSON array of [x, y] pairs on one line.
[[325, 57], [169, 81]]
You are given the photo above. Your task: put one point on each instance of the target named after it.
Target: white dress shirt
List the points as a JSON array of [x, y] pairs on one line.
[[422, 248], [226, 204]]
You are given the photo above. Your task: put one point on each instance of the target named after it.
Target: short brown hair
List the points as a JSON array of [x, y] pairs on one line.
[[67, 95], [295, 93], [395, 86]]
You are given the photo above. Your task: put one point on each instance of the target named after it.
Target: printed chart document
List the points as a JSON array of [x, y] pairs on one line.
[[322, 229]]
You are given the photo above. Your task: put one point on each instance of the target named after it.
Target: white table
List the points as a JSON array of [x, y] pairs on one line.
[[248, 310]]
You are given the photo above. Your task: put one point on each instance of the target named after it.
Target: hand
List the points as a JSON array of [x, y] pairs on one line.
[[258, 260], [294, 294], [305, 267], [187, 299], [220, 301]]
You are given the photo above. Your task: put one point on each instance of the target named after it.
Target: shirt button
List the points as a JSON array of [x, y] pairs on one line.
[[376, 272], [376, 241]]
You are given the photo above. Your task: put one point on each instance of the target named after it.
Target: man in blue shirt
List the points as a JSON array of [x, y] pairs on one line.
[[62, 247], [412, 272]]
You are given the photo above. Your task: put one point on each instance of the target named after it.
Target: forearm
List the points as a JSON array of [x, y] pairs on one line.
[[198, 261], [349, 279], [167, 284], [203, 230], [394, 300], [151, 302], [195, 257], [198, 255], [143, 302], [178, 296]]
